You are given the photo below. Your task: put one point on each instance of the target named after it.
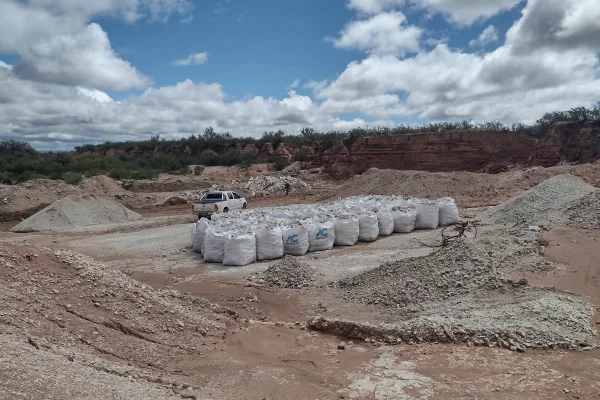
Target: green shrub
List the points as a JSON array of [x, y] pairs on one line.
[[198, 169], [72, 178], [208, 157], [280, 162]]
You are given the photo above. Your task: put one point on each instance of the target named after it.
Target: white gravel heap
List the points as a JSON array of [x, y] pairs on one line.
[[585, 212], [540, 204], [288, 272], [275, 183], [77, 211]]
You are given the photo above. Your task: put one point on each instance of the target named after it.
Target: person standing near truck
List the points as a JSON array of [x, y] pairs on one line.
[[288, 187]]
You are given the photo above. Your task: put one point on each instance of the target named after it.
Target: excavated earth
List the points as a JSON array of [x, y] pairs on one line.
[[127, 310]]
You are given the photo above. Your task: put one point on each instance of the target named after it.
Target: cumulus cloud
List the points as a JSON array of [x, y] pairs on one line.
[[384, 33], [467, 11], [85, 59], [294, 84], [459, 11], [534, 72], [487, 36], [192, 59]]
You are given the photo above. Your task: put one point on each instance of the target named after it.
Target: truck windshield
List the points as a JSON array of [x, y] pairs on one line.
[[214, 196]]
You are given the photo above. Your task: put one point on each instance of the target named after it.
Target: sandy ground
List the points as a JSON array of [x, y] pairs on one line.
[[268, 354]]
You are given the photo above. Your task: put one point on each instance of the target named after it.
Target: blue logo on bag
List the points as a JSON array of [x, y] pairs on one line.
[[322, 233], [292, 240]]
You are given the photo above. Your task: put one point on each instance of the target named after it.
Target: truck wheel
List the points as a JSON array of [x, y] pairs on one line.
[[244, 206], [226, 210]]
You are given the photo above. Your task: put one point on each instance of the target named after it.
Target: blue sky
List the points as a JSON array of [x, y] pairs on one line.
[[257, 50], [86, 72]]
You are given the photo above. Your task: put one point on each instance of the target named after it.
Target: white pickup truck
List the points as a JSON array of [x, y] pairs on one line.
[[216, 202]]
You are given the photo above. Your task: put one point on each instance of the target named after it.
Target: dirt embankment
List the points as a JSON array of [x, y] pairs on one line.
[[470, 189]]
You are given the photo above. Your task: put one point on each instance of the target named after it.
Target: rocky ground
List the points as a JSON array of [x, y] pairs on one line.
[[129, 311]]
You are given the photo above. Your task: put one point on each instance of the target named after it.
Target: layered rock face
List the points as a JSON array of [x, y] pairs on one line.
[[465, 151]]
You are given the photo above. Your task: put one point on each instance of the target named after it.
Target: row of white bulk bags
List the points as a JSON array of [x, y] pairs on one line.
[[448, 212], [368, 227], [321, 234], [239, 249], [404, 217], [347, 228], [427, 214], [295, 239], [269, 243]]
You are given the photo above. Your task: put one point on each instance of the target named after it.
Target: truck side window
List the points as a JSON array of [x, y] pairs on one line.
[[236, 196], [230, 196]]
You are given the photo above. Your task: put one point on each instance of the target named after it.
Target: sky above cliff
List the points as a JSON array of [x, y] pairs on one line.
[[79, 71]]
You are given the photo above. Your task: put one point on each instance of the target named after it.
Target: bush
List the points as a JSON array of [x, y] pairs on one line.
[[208, 157], [198, 169], [280, 162], [72, 178]]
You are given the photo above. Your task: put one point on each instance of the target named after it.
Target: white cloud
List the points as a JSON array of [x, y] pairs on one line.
[[459, 11], [467, 11], [294, 84], [84, 59], [384, 33], [487, 36], [192, 59], [558, 25], [374, 6]]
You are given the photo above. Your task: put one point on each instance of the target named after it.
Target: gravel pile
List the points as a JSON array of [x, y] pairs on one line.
[[461, 294], [585, 212], [540, 204], [77, 211], [289, 272], [452, 271]]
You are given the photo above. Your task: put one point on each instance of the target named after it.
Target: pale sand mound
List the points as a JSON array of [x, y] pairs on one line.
[[76, 211], [542, 204]]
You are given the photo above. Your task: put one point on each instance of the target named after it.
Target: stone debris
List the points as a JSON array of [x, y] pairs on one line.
[[584, 213], [460, 293], [272, 183], [289, 272]]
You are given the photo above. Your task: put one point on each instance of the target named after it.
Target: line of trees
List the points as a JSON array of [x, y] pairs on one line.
[[19, 162]]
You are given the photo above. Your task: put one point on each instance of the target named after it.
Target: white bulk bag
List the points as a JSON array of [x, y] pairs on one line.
[[346, 230], [404, 218], [239, 249], [269, 243], [201, 227], [368, 228], [448, 211], [295, 239], [214, 245], [321, 235], [385, 221], [427, 215]]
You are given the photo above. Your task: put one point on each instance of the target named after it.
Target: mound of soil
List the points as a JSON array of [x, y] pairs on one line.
[[77, 211], [74, 328], [470, 189]]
